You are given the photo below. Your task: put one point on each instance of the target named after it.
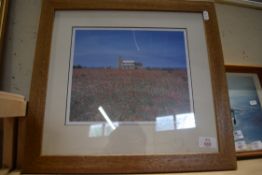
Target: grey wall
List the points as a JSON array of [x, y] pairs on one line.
[[240, 30], [241, 34], [23, 19]]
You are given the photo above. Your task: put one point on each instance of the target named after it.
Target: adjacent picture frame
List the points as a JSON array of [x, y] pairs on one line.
[[6, 125], [34, 155], [244, 83], [3, 18]]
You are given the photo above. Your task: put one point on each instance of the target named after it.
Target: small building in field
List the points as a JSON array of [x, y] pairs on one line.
[[129, 64]]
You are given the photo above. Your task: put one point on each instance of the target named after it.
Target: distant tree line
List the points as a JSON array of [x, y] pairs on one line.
[[84, 67], [78, 66], [162, 68]]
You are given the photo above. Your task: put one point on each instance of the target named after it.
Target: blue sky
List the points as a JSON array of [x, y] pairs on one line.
[[153, 48]]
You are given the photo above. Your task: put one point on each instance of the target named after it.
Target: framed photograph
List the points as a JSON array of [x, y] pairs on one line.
[[244, 86], [127, 87]]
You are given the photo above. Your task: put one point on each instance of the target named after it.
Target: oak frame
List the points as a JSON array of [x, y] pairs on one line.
[[258, 72], [31, 129], [7, 124], [3, 19]]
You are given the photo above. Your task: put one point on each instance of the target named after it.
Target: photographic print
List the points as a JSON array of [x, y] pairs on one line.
[[133, 74], [245, 102]]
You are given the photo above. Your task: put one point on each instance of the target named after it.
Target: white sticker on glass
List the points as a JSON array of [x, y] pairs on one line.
[[207, 142], [238, 135], [240, 145], [256, 145], [253, 102]]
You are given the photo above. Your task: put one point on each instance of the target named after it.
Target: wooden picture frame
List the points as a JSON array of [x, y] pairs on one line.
[[30, 158], [3, 17], [247, 71], [7, 125]]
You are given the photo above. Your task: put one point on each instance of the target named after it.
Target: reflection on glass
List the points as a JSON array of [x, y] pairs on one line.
[[165, 123], [96, 130], [101, 129], [185, 121], [103, 112], [108, 129], [181, 121]]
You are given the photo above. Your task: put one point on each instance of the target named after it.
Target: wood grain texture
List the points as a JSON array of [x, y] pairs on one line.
[[3, 18], [11, 105], [252, 166], [31, 159], [9, 142], [258, 72]]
